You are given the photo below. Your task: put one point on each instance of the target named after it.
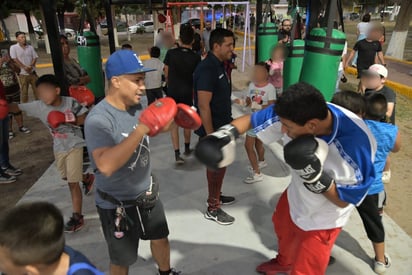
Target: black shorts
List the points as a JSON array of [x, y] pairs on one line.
[[185, 99], [371, 211], [123, 251]]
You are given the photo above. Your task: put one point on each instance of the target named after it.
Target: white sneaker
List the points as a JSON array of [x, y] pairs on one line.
[[262, 164], [386, 176], [253, 177], [380, 268]]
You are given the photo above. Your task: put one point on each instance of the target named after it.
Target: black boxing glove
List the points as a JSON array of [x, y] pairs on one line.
[[218, 149], [306, 155]]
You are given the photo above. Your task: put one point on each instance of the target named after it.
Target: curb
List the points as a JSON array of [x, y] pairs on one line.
[[397, 87]]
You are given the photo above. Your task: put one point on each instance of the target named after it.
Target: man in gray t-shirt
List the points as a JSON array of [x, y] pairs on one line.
[[117, 141]]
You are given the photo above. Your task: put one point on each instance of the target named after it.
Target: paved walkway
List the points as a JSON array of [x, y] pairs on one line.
[[203, 247]]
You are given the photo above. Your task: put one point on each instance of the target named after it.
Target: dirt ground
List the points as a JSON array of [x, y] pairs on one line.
[[33, 153]]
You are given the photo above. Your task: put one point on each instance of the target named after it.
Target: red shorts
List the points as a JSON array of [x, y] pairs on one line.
[[307, 252]]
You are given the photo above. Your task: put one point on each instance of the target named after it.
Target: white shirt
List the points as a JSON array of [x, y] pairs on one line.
[[349, 162], [260, 95], [363, 28], [153, 79], [25, 55]]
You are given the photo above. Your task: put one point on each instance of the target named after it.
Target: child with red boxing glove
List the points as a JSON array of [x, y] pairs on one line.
[[63, 116]]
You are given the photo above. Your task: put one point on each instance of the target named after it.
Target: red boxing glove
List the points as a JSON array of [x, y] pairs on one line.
[[4, 109], [187, 117], [82, 94], [55, 118], [158, 115]]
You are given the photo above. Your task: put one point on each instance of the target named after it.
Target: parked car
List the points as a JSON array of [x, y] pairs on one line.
[[69, 33], [193, 22], [121, 26], [142, 26], [354, 16]]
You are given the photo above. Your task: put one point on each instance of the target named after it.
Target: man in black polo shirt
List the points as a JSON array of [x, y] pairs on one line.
[[212, 98], [180, 64]]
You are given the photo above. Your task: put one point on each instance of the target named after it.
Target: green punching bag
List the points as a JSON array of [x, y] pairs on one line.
[[267, 36], [321, 60], [292, 65], [90, 59]]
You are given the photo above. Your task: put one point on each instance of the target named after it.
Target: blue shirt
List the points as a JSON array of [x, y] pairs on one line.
[[349, 162], [76, 258], [385, 135]]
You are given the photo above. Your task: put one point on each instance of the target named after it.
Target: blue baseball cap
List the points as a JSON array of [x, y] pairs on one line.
[[124, 62]]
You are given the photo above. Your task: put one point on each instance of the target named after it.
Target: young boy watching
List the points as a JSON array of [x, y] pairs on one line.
[[32, 242]]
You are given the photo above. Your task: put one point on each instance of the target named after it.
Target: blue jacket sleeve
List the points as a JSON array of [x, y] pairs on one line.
[[266, 125]]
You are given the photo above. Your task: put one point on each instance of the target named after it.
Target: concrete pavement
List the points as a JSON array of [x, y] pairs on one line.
[[200, 246]]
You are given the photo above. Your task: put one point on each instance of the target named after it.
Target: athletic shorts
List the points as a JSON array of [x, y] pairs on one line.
[[123, 251], [251, 133], [371, 211], [188, 100], [70, 164], [13, 94]]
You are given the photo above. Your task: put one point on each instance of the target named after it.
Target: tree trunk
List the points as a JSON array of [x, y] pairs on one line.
[[396, 45], [5, 30], [32, 34]]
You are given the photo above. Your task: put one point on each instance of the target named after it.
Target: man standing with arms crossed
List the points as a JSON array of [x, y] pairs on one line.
[[25, 57], [213, 100]]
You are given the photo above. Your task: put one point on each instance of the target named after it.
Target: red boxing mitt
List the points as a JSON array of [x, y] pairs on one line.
[[158, 115], [55, 118], [187, 117], [82, 94], [4, 109]]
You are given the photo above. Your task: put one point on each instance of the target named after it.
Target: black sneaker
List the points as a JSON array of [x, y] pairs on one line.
[[219, 216], [173, 272], [188, 152], [74, 225], [24, 130], [5, 178], [226, 200], [12, 171], [179, 159]]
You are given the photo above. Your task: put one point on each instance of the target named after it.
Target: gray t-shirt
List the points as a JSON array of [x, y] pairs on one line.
[[65, 137], [107, 126]]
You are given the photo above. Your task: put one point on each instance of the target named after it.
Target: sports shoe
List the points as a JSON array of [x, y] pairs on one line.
[[12, 171], [11, 135], [5, 178], [74, 225], [179, 159], [226, 200], [219, 216], [253, 177], [262, 164], [379, 267], [386, 176], [188, 152], [24, 130], [272, 267], [173, 272], [88, 183]]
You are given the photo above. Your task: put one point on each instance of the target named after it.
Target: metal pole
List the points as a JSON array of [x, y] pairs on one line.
[[110, 32], [259, 4], [49, 11]]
